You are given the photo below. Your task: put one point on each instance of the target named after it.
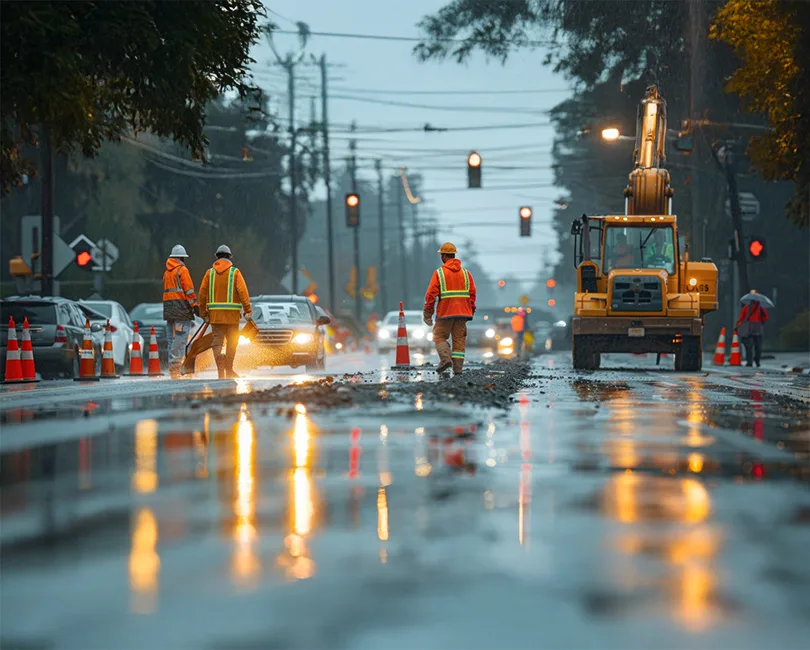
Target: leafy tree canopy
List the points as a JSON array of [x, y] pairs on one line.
[[772, 39], [92, 70]]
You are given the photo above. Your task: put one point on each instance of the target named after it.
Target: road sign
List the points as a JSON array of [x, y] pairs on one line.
[[524, 300], [749, 206], [31, 243], [105, 254]]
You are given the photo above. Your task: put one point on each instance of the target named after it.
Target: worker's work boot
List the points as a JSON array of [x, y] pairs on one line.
[[458, 365], [444, 366]]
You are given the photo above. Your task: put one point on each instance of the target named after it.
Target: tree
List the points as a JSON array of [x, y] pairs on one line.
[[772, 39], [88, 71]]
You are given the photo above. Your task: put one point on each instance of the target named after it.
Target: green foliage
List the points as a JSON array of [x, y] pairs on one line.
[[92, 71], [772, 39]]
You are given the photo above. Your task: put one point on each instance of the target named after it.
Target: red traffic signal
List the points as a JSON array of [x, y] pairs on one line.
[[756, 248], [84, 259], [551, 283], [501, 283], [352, 210]]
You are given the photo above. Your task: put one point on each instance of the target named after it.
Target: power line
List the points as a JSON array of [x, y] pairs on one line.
[[408, 39], [434, 107], [376, 91]]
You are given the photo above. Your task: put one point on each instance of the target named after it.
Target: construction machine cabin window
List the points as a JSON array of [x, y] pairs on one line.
[[638, 247]]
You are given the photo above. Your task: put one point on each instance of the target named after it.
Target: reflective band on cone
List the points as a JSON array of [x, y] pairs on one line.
[[87, 357], [135, 356], [720, 350], [107, 356], [154, 356], [27, 355], [736, 357], [14, 373]]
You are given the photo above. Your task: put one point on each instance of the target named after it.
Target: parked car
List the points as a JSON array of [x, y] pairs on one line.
[[291, 333], [56, 326], [121, 327], [419, 334], [150, 314]]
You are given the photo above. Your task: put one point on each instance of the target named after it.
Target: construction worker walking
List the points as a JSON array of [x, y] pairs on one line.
[[179, 306], [454, 289], [223, 297]]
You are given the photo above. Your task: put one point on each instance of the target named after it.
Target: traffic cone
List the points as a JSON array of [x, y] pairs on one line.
[[136, 355], [87, 357], [154, 357], [29, 373], [107, 356], [736, 357], [14, 374], [720, 350], [403, 359]]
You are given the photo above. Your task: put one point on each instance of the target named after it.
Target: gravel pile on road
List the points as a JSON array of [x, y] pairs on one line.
[[491, 387]]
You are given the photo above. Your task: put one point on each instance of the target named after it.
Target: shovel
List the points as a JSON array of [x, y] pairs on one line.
[[203, 340]]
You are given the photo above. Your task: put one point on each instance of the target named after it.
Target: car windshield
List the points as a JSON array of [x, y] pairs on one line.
[[281, 313], [37, 313], [411, 318], [639, 248], [150, 311], [102, 307]]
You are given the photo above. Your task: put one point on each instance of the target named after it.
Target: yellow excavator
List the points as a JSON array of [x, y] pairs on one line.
[[637, 291]]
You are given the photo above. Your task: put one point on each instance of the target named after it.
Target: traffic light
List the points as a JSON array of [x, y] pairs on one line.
[[352, 210], [525, 221], [757, 249], [551, 283], [552, 302], [474, 170], [84, 255], [501, 283]]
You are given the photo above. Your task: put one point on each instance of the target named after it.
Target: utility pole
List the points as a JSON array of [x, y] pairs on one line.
[[402, 257], [736, 220], [418, 249], [46, 256], [357, 292], [327, 177], [290, 67], [381, 208]]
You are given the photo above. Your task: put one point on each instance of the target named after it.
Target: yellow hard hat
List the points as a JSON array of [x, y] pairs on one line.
[[447, 249]]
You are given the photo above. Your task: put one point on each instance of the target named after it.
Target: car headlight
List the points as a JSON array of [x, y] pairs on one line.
[[302, 338], [419, 334], [490, 333], [244, 340], [505, 342], [383, 334], [338, 346]]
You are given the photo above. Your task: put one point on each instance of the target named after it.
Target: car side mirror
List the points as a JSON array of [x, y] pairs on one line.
[[324, 320], [96, 327]]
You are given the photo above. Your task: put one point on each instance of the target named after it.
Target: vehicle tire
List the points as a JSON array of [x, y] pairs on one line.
[[690, 357], [583, 354]]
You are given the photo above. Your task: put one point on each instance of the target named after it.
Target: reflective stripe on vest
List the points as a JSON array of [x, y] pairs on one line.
[[222, 305], [444, 293]]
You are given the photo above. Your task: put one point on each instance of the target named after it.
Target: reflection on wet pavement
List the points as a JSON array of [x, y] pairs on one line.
[[589, 506]]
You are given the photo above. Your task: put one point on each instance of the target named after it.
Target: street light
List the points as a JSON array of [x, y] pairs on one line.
[[610, 134], [474, 170]]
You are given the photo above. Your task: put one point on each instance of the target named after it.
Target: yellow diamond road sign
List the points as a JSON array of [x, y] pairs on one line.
[[524, 300]]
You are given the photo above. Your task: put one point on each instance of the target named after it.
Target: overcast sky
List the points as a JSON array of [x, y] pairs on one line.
[[391, 72]]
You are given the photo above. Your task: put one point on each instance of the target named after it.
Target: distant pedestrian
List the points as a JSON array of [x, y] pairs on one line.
[[518, 323], [751, 329], [179, 306], [454, 288]]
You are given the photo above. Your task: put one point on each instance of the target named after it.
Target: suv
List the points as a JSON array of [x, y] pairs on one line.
[[56, 326], [291, 333]]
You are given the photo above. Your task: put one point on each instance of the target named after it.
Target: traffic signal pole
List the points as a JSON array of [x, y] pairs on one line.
[[290, 66], [357, 292], [327, 178], [46, 256], [737, 223], [402, 251], [381, 207]]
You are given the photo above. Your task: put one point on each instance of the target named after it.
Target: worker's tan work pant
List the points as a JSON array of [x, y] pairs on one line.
[[455, 329], [229, 336]]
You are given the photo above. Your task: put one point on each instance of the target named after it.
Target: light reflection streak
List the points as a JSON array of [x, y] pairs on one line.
[[245, 565], [201, 451], [144, 563], [145, 478], [382, 515], [243, 386]]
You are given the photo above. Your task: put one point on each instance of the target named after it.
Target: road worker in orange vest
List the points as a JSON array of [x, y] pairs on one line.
[[454, 289], [179, 306], [223, 297]]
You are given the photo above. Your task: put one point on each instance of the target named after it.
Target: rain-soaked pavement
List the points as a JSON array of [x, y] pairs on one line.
[[633, 507]]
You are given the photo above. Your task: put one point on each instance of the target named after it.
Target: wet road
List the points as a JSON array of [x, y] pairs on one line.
[[630, 507]]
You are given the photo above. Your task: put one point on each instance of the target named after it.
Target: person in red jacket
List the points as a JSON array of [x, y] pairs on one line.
[[454, 289], [751, 328]]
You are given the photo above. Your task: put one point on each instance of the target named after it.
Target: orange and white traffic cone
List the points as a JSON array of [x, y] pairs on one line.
[[736, 357], [107, 356], [720, 350], [29, 372], [14, 374], [403, 358], [87, 357], [136, 355], [154, 356]]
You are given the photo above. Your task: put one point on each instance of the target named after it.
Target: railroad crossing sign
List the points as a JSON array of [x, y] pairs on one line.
[[105, 254], [31, 244], [749, 206]]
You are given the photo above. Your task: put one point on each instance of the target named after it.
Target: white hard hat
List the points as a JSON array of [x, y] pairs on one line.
[[179, 251], [224, 249]]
